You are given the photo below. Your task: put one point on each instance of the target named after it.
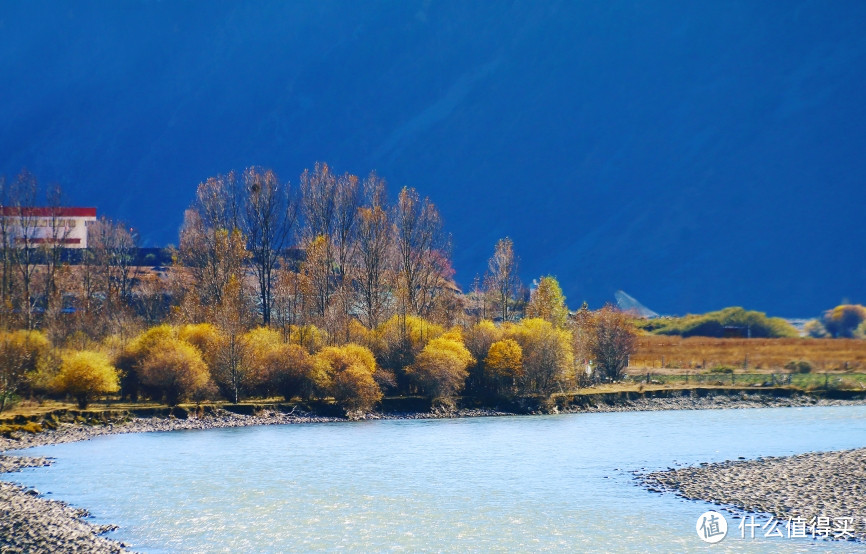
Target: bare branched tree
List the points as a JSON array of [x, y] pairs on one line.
[[318, 197], [422, 252], [504, 281], [25, 251], [613, 343], [374, 253], [269, 217], [212, 245]]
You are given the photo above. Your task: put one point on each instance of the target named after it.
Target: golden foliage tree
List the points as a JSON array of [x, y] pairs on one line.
[[21, 353], [207, 337], [547, 355], [355, 389], [133, 355], [421, 247], [440, 370], [85, 375], [257, 347], [291, 371], [400, 339], [176, 369], [477, 340], [504, 361], [547, 302], [349, 370], [268, 216]]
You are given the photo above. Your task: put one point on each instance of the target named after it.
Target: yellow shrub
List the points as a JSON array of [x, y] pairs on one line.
[[176, 369], [86, 374], [441, 367], [206, 337], [504, 359]]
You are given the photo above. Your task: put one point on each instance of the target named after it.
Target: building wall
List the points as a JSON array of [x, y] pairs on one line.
[[36, 226]]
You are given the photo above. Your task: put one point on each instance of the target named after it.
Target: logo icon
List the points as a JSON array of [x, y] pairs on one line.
[[711, 527]]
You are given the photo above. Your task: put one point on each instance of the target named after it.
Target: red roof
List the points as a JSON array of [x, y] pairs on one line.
[[48, 241], [15, 211]]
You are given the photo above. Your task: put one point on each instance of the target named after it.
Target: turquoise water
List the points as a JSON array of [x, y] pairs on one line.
[[538, 483]]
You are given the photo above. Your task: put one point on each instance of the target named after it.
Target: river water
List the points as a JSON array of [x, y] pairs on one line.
[[532, 483]]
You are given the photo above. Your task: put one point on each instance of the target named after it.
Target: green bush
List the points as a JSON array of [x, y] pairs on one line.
[[713, 324], [722, 369], [799, 366]]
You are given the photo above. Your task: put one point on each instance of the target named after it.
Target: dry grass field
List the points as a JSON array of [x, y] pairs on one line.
[[661, 353]]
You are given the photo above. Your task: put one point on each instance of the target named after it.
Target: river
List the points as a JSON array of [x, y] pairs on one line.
[[530, 483]]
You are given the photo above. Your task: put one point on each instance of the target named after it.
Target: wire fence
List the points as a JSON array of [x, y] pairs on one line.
[[854, 381]]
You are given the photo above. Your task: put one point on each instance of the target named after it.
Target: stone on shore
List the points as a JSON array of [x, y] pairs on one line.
[[813, 485]]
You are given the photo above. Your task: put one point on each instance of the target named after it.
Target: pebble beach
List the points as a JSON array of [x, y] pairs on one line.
[[808, 486]]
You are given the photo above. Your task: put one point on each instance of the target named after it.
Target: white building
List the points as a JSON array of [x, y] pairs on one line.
[[35, 226]]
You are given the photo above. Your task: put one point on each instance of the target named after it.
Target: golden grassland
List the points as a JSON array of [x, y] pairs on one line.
[[662, 353]]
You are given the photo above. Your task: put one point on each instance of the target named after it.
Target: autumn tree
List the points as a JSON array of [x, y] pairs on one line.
[[176, 369], [212, 246], [583, 334], [231, 316], [112, 251], [421, 249], [131, 357], [346, 202], [52, 246], [25, 253], [356, 390], [257, 345], [478, 340], [440, 370], [318, 196], [268, 218], [547, 355], [400, 340], [547, 302], [815, 329], [85, 375], [615, 340], [374, 253], [503, 281], [504, 362], [6, 244], [841, 321], [291, 372], [20, 355], [316, 272], [350, 370], [291, 293], [207, 337]]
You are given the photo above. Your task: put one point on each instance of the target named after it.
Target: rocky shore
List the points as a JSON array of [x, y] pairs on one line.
[[816, 485], [30, 523]]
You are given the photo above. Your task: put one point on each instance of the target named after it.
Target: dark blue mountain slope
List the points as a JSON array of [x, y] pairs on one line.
[[695, 154]]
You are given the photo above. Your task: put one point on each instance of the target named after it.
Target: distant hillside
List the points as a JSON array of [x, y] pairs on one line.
[[695, 154]]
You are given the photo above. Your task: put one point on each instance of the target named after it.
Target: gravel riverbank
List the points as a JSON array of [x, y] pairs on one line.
[[30, 523], [816, 485]]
